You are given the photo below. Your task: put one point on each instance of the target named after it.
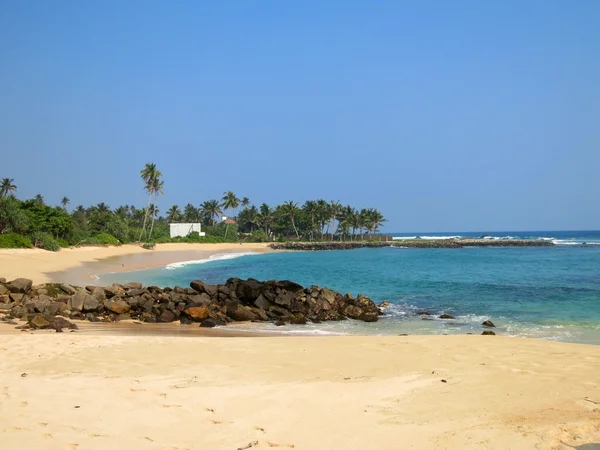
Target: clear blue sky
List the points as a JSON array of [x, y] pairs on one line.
[[445, 115]]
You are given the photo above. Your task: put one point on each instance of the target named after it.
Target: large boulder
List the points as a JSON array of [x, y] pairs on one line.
[[201, 287], [240, 313], [20, 285], [90, 302], [76, 302], [117, 307], [68, 289], [133, 285], [3, 289], [196, 312], [248, 291]]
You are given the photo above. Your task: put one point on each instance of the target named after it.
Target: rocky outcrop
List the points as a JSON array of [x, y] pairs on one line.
[[409, 243], [278, 301]]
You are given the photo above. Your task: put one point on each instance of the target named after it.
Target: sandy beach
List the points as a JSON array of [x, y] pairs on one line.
[[124, 386], [73, 391], [79, 265]]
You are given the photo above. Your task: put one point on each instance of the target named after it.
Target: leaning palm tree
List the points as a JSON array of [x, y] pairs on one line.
[[7, 187], [229, 202], [149, 174], [291, 208], [64, 202]]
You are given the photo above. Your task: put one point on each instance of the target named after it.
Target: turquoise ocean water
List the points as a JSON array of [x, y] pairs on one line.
[[545, 292]]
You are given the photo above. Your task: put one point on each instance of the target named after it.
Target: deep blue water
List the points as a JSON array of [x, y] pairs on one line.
[[546, 292]]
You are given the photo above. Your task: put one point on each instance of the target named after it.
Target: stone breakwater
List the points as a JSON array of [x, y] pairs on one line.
[[281, 302], [410, 243]]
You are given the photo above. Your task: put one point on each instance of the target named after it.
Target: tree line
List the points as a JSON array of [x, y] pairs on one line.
[[31, 222]]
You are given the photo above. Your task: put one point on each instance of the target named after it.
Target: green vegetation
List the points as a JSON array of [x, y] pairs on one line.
[[28, 223]]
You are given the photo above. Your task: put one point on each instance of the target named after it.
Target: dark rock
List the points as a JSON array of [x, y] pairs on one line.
[[4, 298], [18, 312], [488, 323], [447, 316], [90, 288], [423, 313], [20, 285], [185, 320], [167, 317], [200, 286], [240, 313], [133, 285], [279, 323], [298, 319], [369, 317], [354, 312], [488, 333], [52, 309], [3, 289], [200, 299], [211, 323], [384, 304], [38, 322]]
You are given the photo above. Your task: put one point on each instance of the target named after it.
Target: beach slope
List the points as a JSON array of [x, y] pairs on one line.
[[78, 390]]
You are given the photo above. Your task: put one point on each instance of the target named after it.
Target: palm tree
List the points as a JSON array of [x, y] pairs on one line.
[[39, 199], [64, 202], [7, 187], [323, 215], [311, 208], [265, 216], [190, 213], [149, 174], [157, 188], [210, 209], [336, 208], [173, 214], [122, 212], [229, 202], [245, 202], [101, 208], [291, 208]]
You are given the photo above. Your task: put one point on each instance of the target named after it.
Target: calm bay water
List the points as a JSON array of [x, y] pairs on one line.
[[545, 292]]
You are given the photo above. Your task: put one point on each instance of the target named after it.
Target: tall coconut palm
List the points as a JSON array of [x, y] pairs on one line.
[[149, 174], [229, 202], [7, 187], [173, 214], [323, 215], [245, 202], [312, 209], [157, 189], [210, 210], [64, 202], [335, 210], [265, 216], [291, 208]]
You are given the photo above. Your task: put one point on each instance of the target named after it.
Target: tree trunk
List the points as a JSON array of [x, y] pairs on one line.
[[145, 217]]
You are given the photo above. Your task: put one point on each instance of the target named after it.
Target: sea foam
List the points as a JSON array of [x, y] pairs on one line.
[[212, 258]]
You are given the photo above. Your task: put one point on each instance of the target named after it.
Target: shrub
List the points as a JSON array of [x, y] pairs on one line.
[[45, 240], [149, 245], [259, 236], [63, 243], [103, 239], [14, 240]]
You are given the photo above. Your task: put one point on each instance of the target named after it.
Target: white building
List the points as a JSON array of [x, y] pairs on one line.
[[184, 229]]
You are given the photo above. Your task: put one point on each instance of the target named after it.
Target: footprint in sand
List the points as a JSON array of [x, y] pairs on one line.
[[260, 429], [171, 406], [273, 444], [48, 436], [209, 410]]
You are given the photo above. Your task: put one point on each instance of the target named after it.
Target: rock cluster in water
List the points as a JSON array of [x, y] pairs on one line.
[[409, 243], [46, 305]]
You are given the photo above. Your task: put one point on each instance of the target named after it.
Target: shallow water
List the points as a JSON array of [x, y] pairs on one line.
[[546, 292]]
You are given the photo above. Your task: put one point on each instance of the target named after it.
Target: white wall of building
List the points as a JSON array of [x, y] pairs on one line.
[[183, 229]]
